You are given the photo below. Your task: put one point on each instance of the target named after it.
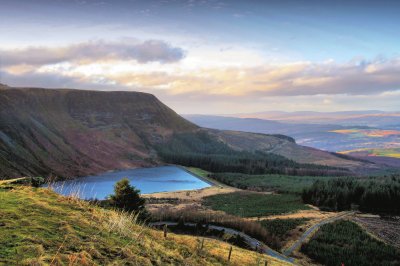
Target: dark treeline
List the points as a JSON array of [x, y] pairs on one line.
[[378, 195], [206, 152]]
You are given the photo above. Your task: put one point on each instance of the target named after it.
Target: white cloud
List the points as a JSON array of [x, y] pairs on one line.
[[95, 51]]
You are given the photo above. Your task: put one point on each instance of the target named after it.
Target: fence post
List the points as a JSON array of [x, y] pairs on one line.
[[230, 253], [266, 263], [165, 230], [202, 244]]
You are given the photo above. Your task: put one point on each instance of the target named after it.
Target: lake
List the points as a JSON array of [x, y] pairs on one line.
[[148, 180]]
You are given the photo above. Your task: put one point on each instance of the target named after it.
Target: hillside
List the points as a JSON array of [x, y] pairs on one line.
[[39, 227], [286, 147], [71, 133]]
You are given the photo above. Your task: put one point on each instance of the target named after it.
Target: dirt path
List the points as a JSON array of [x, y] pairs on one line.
[[309, 214], [7, 181]]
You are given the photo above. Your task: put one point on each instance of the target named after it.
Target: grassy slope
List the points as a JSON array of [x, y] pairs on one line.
[[39, 227], [248, 204], [198, 171]]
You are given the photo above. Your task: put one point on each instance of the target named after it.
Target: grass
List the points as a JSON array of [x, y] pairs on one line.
[[278, 183], [281, 227], [39, 227], [250, 204], [346, 242], [198, 171], [194, 215], [206, 175]]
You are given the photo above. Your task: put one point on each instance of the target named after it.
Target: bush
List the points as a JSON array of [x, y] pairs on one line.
[[127, 197]]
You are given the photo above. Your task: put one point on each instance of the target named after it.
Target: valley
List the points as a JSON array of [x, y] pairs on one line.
[[263, 195], [72, 133], [199, 133], [373, 136]]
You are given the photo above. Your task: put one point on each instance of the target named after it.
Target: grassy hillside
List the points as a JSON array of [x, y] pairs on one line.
[[71, 132], [285, 146], [203, 149], [39, 227]]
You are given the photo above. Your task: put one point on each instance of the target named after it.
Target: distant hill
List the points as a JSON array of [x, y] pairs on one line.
[[330, 137], [72, 133], [371, 118]]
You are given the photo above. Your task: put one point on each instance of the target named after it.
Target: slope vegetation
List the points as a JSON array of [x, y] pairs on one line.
[[39, 227]]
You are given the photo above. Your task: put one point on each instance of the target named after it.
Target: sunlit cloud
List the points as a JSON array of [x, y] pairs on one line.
[[293, 79]]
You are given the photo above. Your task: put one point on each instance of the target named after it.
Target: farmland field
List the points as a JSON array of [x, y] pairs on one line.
[[250, 204]]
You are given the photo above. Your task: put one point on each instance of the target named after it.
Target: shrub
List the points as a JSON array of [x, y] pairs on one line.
[[127, 197]]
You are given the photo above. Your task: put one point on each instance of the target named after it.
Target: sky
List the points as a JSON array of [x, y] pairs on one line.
[[210, 56]]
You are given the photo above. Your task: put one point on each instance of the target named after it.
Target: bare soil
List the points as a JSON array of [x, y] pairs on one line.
[[386, 229]]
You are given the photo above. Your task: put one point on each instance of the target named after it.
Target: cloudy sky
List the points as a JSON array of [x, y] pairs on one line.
[[210, 56]]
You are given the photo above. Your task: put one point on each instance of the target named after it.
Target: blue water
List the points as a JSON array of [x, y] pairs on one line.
[[148, 180]]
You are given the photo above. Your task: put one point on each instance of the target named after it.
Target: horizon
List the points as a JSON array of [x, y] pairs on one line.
[[230, 114], [210, 57]]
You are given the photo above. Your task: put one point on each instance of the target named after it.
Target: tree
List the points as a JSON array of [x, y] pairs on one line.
[[36, 181], [127, 197]]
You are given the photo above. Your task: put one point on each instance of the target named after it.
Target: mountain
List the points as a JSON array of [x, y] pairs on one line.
[[71, 133]]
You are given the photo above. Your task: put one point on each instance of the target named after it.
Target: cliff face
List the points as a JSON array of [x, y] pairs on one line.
[[72, 132]]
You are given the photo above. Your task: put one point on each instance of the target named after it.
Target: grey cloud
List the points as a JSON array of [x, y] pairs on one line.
[[33, 79], [368, 77], [142, 52]]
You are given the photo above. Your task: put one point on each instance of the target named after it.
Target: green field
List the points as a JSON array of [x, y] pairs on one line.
[[280, 227], [251, 204], [278, 183], [346, 242]]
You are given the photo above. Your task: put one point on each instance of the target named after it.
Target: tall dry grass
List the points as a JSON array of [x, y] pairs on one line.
[[191, 214]]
